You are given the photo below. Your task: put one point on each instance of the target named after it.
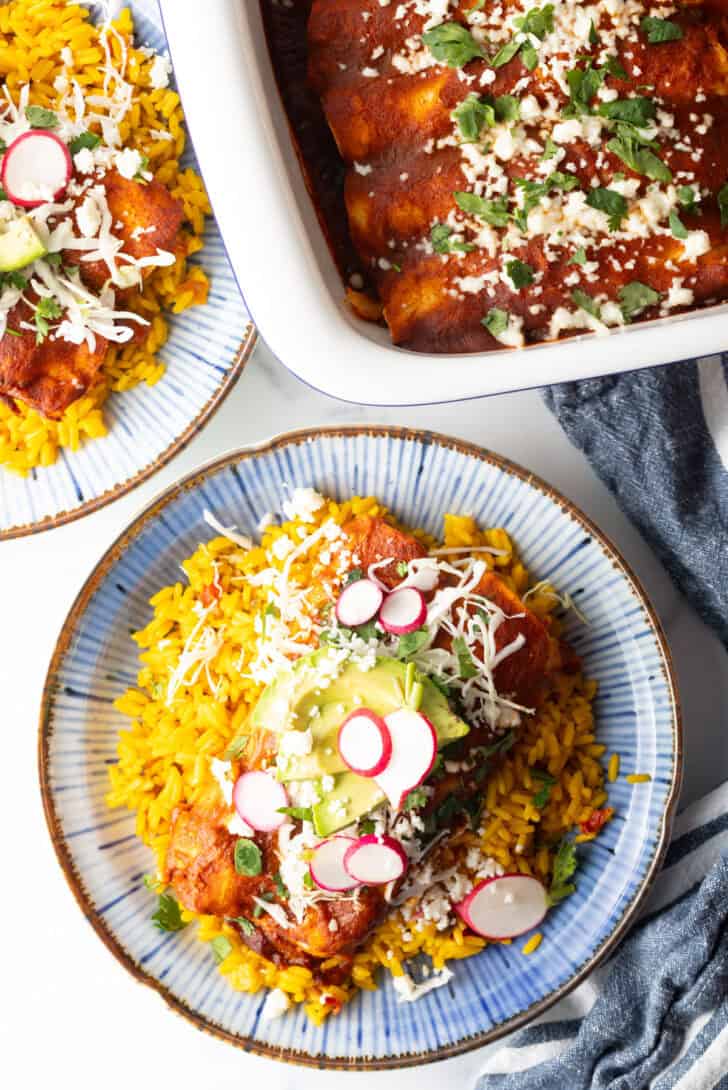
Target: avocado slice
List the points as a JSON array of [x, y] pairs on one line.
[[317, 693], [20, 244]]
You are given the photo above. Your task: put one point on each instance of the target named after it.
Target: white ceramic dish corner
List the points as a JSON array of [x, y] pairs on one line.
[[284, 269]]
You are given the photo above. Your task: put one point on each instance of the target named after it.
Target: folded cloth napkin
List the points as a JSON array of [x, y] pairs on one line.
[[654, 1017]]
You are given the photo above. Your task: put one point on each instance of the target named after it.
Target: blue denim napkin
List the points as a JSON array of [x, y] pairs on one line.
[[655, 1017]]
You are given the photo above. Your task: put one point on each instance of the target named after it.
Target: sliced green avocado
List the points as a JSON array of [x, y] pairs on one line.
[[19, 245], [318, 694]]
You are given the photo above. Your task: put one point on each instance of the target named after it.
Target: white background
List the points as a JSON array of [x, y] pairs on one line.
[[69, 1014]]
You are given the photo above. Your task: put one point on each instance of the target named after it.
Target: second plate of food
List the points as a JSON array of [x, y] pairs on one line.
[[361, 747], [121, 325]]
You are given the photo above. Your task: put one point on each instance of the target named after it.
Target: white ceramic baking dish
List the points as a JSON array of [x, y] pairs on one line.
[[285, 271]]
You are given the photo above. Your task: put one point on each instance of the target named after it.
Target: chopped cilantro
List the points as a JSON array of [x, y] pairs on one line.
[[613, 204], [723, 205], [493, 212], [53, 259], [244, 924], [520, 273], [299, 813], [537, 21], [415, 799], [86, 140], [143, 166], [221, 948], [630, 149], [281, 887], [46, 310], [593, 36], [550, 149], [150, 882], [248, 859], [452, 44], [411, 642], [466, 666], [506, 53], [472, 116], [635, 297], [236, 748], [678, 228], [168, 916], [542, 796], [13, 280], [366, 827], [637, 111], [578, 257], [529, 56], [353, 576], [40, 118], [507, 108], [308, 880], [534, 191], [583, 85], [495, 321], [688, 197], [660, 30], [441, 244], [565, 863], [586, 302], [402, 568]]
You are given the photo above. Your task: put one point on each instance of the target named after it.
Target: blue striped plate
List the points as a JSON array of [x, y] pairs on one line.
[[420, 476], [205, 354]]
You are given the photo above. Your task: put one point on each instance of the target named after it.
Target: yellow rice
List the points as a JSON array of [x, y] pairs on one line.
[[32, 35], [164, 756]]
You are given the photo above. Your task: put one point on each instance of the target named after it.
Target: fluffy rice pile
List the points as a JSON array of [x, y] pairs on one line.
[[164, 758], [32, 35]]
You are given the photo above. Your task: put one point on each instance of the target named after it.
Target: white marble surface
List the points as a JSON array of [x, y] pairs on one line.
[[69, 1014]]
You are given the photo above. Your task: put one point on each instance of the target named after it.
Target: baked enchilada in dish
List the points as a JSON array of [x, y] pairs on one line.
[[516, 173]]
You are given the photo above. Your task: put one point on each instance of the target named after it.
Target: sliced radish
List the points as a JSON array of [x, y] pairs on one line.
[[376, 860], [364, 742], [327, 865], [403, 611], [358, 603], [258, 797], [505, 906], [36, 168], [414, 748]]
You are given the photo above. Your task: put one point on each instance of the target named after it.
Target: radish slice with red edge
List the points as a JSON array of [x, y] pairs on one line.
[[36, 168], [403, 611], [364, 742], [414, 748], [358, 603], [505, 906], [327, 865], [376, 860], [258, 797]]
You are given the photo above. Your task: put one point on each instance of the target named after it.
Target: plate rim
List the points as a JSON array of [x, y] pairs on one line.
[[65, 640], [122, 488]]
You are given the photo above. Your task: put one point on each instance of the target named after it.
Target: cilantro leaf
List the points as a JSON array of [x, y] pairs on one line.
[[529, 56], [593, 36], [281, 887], [441, 244], [613, 67], [40, 118], [416, 799], [578, 257], [308, 880], [520, 273], [472, 115], [542, 796], [678, 228], [505, 54], [411, 642], [583, 85], [466, 666], [248, 859], [168, 916], [723, 205], [46, 310], [86, 140], [300, 813], [537, 21], [353, 576], [660, 30], [244, 924], [586, 302], [637, 111], [493, 212], [221, 947], [565, 863], [636, 297], [550, 149], [366, 827], [688, 197], [452, 44], [631, 151], [495, 321], [613, 204], [507, 108]]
